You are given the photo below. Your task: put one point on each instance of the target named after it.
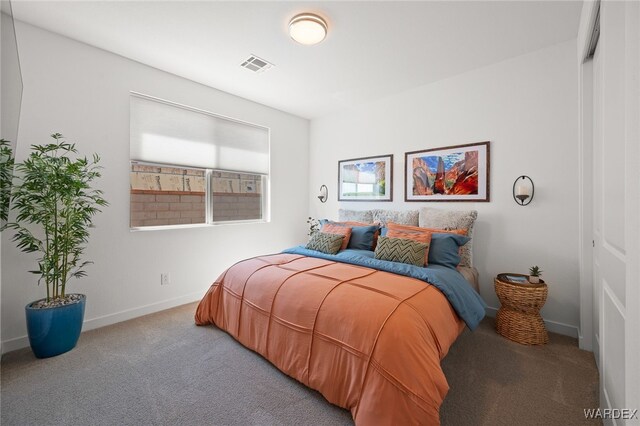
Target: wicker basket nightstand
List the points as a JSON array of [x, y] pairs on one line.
[[519, 317]]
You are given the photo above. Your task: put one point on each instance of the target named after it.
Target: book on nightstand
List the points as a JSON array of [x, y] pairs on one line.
[[516, 279]]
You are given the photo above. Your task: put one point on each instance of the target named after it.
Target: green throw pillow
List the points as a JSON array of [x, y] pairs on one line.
[[401, 250], [325, 242]]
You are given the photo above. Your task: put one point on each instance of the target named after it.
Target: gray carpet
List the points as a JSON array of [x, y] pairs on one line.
[[494, 381], [163, 370]]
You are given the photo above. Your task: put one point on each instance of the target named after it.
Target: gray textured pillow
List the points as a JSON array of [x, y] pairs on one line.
[[406, 217], [401, 250], [325, 242], [452, 219], [355, 216]]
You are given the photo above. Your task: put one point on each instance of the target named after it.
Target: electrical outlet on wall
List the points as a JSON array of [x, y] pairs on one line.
[[165, 279]]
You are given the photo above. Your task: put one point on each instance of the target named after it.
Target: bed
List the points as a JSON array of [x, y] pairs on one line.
[[368, 334]]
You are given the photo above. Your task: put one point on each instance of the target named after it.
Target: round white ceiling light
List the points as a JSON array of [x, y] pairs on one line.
[[307, 29]]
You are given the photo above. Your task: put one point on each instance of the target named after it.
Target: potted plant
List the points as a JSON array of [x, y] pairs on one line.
[[314, 226], [55, 204], [534, 274]]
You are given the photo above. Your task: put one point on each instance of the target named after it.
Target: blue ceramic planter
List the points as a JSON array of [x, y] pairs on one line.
[[53, 331]]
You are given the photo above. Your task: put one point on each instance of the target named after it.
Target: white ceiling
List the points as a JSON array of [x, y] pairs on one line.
[[373, 49]]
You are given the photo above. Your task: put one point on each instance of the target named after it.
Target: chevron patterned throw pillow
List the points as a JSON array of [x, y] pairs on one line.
[[401, 250], [325, 242]]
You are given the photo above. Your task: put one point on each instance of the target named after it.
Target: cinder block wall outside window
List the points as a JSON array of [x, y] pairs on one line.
[[149, 208], [236, 207], [236, 196], [163, 196], [166, 196]]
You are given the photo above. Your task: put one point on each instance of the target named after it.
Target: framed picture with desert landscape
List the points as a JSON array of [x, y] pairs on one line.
[[366, 179], [452, 173]]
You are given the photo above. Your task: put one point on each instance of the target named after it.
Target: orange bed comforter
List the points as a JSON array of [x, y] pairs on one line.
[[369, 341]]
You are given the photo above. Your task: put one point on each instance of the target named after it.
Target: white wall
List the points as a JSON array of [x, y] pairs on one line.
[[10, 87], [83, 93], [528, 108]]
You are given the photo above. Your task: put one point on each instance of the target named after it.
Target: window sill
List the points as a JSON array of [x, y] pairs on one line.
[[195, 225]]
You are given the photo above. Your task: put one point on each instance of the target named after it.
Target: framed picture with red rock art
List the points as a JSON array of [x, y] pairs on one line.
[[452, 173]]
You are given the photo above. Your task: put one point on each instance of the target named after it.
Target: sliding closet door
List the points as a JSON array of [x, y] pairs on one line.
[[610, 236]]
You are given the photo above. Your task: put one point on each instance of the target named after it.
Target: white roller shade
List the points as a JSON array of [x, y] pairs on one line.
[[166, 133]]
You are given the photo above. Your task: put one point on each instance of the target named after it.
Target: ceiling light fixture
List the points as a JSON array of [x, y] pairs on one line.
[[307, 29]]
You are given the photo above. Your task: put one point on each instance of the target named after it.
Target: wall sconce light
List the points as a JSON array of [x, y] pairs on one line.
[[523, 190], [324, 194]]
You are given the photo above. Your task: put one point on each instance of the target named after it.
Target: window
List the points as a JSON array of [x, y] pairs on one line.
[[193, 167], [162, 196], [236, 196]]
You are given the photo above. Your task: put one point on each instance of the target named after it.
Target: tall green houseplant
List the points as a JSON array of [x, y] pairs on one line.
[[55, 205]]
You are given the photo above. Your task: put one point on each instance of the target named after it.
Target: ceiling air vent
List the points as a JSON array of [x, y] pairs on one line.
[[256, 64]]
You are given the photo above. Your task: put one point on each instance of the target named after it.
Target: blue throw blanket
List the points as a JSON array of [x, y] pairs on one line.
[[465, 300]]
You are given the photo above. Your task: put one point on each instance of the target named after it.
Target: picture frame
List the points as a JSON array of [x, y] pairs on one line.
[[366, 179], [452, 173]]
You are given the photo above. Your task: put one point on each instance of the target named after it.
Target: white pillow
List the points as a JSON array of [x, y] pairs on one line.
[[364, 216], [401, 217]]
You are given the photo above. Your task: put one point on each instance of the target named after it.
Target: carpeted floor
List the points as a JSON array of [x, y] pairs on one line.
[[163, 370], [494, 381]]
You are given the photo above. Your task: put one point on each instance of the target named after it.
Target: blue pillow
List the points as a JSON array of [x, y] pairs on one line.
[[383, 231], [361, 236], [445, 249]]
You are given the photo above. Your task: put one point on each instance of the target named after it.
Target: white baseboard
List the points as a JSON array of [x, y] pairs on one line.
[[553, 326], [90, 324]]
